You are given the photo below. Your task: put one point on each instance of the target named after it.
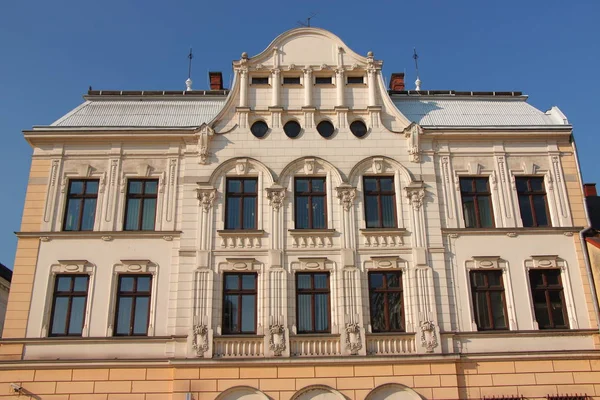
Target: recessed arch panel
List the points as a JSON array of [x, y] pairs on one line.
[[393, 391], [318, 392], [242, 393]]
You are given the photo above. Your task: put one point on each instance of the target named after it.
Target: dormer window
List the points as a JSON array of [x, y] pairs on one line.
[[356, 80], [323, 80], [260, 80], [291, 80]]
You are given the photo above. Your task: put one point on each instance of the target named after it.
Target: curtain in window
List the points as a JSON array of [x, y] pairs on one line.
[[304, 313], [318, 212], [149, 214], [387, 210], [485, 212], [249, 212], [133, 212], [321, 312], [301, 212]]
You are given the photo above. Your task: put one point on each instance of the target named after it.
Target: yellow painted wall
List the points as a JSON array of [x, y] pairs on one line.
[[436, 380]]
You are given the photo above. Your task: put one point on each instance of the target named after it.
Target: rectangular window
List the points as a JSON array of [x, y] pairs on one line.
[[312, 302], [68, 305], [260, 80], [291, 80], [548, 299], [241, 203], [133, 305], [386, 301], [239, 303], [140, 210], [323, 80], [80, 211], [309, 203], [532, 201], [380, 202], [356, 79], [476, 202], [489, 303]]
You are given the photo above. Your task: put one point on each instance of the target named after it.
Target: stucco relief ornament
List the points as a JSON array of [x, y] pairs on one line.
[[200, 340], [346, 194], [428, 337], [353, 342], [277, 339], [276, 194], [206, 197], [415, 197], [411, 133]]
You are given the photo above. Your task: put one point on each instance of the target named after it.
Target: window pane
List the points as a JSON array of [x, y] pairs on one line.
[[321, 312], [371, 212], [494, 278], [539, 204], [151, 187], [526, 214], [77, 314], [124, 315], [89, 213], [140, 320], [395, 311], [541, 309], [76, 187], [375, 280], [230, 313], [301, 212], [370, 185], [537, 184], [466, 185], [143, 283], [485, 212], [232, 282], [481, 185], [318, 205], [248, 313], [234, 186], [469, 212], [133, 212], [248, 282], [149, 214], [233, 213], [521, 185], [81, 284], [377, 316], [302, 185], [536, 279], [72, 218], [250, 186], [320, 281], [498, 310], [59, 321], [552, 277], [91, 187], [482, 315], [387, 205], [63, 283], [558, 313], [318, 185], [249, 213], [304, 313], [478, 279], [126, 284], [387, 184], [303, 281], [135, 187], [393, 280]]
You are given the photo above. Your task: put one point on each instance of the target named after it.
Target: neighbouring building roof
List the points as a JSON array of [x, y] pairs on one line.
[[472, 110], [145, 109], [5, 272]]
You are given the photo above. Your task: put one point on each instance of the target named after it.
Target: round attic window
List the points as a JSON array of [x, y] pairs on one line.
[[259, 129], [358, 128], [325, 129], [292, 129]]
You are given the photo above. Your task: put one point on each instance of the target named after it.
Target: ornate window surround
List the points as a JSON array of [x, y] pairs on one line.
[[130, 266], [476, 170], [71, 267], [487, 263], [551, 262], [144, 171]]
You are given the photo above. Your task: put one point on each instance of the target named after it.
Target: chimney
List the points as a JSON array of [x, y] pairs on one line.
[[216, 80], [589, 189], [397, 81]]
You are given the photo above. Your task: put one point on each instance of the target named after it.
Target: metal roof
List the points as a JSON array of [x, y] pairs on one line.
[[476, 112], [173, 113]]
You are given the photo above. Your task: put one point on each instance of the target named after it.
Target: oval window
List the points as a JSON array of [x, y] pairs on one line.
[[325, 129], [292, 129], [358, 128], [259, 129]]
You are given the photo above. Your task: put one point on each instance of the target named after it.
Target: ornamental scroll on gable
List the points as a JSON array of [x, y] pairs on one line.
[[412, 133]]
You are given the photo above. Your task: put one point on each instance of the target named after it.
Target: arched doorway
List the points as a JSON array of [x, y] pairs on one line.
[[242, 393], [393, 391], [318, 392]]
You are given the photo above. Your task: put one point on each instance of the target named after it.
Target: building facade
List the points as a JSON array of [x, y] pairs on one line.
[[305, 234], [5, 278]]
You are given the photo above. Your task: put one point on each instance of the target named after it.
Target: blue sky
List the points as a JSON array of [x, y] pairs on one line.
[[51, 51]]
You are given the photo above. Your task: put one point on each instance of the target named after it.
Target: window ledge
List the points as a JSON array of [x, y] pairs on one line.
[[512, 232], [241, 232], [312, 237], [241, 238], [314, 232], [383, 237]]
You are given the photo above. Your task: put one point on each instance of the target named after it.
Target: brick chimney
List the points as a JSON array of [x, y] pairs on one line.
[[397, 81], [589, 189], [216, 80]]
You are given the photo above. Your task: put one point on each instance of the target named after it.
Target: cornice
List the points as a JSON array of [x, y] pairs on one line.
[[107, 236], [511, 232]]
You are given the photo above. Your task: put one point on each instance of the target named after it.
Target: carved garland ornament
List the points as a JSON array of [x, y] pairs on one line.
[[428, 337], [277, 339], [353, 341], [200, 341]]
